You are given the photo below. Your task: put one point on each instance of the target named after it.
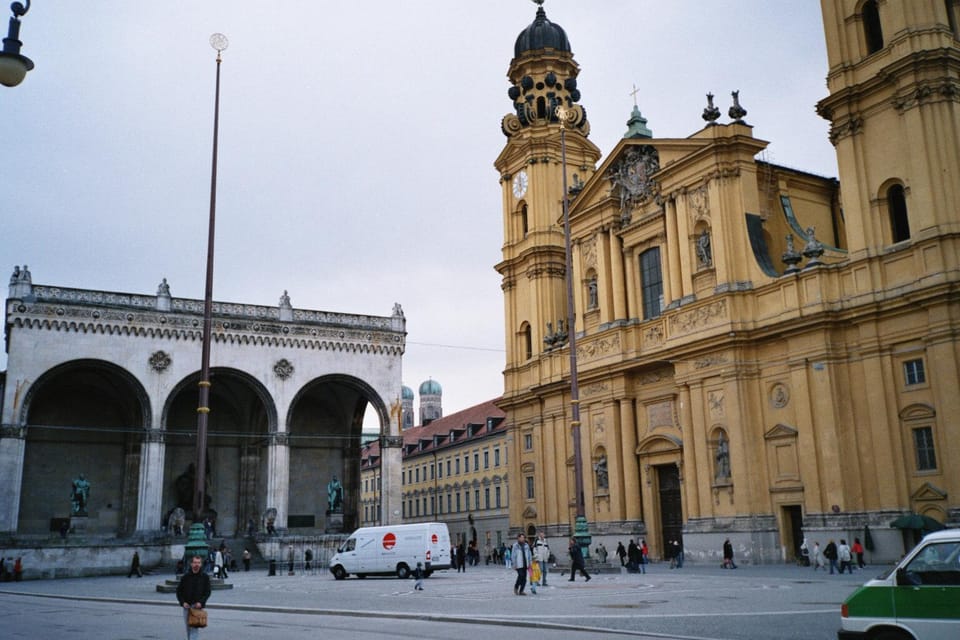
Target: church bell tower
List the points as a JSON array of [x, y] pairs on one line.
[[894, 107], [543, 76]]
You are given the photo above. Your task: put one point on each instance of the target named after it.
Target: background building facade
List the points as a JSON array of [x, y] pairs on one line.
[[454, 471], [764, 354]]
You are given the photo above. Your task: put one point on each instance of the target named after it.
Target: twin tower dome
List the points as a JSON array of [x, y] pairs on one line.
[[430, 403]]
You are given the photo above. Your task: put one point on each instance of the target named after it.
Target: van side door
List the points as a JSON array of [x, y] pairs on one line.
[[927, 596]]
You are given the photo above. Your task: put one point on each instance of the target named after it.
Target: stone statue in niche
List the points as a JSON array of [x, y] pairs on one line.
[[722, 458], [600, 469], [704, 251]]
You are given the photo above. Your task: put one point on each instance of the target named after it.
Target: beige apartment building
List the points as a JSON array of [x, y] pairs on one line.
[[763, 354], [454, 471]]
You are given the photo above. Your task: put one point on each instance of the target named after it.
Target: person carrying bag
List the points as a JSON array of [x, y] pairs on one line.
[[192, 594]]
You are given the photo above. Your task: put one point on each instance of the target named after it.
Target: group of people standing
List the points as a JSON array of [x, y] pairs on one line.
[[634, 557]]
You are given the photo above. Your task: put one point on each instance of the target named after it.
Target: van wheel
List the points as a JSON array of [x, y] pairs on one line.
[[891, 634], [427, 574], [339, 572], [403, 571]]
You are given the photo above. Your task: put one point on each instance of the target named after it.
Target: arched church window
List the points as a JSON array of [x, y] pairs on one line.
[[953, 16], [523, 220], [872, 31], [897, 209], [526, 340]]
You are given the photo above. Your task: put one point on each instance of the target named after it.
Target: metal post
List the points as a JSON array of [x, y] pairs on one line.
[[581, 530], [218, 42]]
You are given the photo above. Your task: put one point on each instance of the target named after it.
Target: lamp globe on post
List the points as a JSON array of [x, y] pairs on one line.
[[13, 66]]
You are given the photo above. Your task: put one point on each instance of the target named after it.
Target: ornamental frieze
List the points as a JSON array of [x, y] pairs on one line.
[[595, 388], [699, 318], [709, 361], [653, 336], [599, 348]]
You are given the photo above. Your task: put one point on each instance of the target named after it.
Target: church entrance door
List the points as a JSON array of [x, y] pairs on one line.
[[671, 511]]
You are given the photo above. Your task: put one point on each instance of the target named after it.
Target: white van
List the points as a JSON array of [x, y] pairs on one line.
[[393, 549], [919, 599]]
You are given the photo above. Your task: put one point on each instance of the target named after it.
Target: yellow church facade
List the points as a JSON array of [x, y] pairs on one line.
[[763, 354]]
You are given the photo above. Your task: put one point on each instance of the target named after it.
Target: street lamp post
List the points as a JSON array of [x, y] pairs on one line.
[[581, 531], [219, 42], [13, 65]]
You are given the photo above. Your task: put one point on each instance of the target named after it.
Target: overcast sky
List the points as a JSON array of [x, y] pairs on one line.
[[357, 142]]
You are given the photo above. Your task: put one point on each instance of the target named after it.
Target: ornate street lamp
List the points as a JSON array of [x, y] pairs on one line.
[[13, 66], [219, 42], [581, 530]]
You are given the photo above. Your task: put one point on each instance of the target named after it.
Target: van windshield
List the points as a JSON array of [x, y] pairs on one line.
[[348, 545]]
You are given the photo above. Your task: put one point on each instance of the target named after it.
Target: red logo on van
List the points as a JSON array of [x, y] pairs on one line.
[[428, 555], [434, 539], [389, 541]]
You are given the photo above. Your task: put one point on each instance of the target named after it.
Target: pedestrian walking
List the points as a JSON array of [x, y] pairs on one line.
[[418, 577], [830, 553], [633, 557], [728, 562], [219, 569], [521, 557], [644, 555], [818, 560], [845, 556], [857, 549], [193, 592], [621, 553], [135, 565], [246, 560], [576, 561], [541, 552]]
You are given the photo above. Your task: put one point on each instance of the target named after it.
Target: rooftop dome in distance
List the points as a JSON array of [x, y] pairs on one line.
[[541, 34], [406, 392], [430, 388]]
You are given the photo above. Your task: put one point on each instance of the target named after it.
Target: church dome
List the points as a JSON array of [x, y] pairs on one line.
[[406, 392], [430, 388], [541, 34]]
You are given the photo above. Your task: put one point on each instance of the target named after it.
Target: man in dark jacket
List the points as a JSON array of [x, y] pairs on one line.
[[576, 561], [192, 592]]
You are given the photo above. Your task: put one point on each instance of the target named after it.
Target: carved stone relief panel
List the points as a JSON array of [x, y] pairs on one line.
[[715, 401], [699, 202], [588, 249], [660, 414]]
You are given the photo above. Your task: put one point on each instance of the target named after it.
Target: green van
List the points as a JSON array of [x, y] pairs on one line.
[[919, 599]]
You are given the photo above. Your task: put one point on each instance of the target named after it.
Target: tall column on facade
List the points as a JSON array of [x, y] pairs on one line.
[[673, 281], [278, 476], [150, 491], [697, 493], [13, 441], [628, 462], [617, 276]]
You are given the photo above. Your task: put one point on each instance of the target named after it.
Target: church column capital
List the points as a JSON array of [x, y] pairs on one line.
[[279, 438], [13, 431]]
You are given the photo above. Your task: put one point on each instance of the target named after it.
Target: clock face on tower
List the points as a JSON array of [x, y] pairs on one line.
[[520, 184]]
